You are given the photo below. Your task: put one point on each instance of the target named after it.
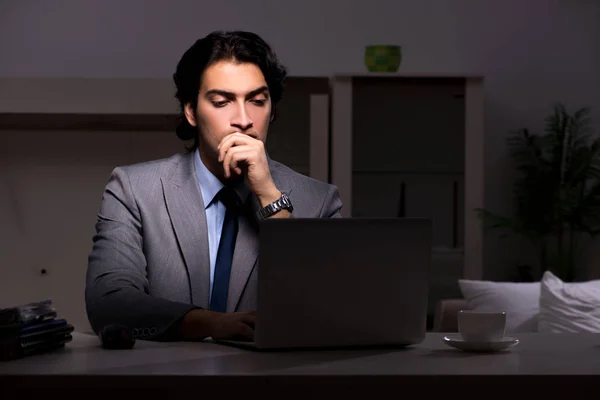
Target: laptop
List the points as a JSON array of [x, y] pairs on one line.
[[342, 282]]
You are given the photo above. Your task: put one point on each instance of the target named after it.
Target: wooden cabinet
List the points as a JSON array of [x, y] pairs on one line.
[[412, 146]]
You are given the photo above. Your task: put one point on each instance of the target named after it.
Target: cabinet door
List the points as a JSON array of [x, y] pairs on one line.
[[407, 151]]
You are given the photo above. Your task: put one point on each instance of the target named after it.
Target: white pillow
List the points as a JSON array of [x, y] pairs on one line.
[[569, 307], [520, 301]]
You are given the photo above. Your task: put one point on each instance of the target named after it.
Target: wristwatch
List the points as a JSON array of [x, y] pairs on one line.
[[283, 202]]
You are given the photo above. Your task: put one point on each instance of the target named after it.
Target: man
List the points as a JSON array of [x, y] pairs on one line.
[[175, 254]]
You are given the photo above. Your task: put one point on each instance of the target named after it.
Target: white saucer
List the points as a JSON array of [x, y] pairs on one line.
[[482, 347]]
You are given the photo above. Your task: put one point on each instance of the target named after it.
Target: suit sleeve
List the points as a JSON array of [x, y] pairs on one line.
[[116, 283], [332, 204]]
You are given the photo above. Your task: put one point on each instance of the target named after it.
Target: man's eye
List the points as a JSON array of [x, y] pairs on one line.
[[219, 103], [259, 102]]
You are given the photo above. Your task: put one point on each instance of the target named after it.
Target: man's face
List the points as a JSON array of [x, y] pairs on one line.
[[233, 97]]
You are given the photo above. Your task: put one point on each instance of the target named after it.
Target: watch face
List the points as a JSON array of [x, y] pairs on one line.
[[287, 202]]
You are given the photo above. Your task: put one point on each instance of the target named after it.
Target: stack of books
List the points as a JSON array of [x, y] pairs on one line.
[[32, 329]]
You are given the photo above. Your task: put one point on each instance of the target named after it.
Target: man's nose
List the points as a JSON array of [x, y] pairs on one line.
[[242, 119]]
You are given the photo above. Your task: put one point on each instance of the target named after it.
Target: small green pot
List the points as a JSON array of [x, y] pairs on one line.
[[383, 58]]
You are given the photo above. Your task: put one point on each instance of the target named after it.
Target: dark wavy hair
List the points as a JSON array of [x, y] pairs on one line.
[[239, 46]]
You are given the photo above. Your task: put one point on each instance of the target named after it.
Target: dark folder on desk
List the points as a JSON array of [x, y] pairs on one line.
[[14, 348], [31, 329]]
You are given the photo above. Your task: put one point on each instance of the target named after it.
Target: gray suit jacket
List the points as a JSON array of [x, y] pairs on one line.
[[149, 263]]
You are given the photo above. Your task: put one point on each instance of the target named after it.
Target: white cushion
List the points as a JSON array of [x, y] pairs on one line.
[[520, 301], [569, 306]]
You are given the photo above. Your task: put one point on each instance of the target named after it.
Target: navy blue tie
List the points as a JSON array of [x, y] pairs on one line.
[[226, 246]]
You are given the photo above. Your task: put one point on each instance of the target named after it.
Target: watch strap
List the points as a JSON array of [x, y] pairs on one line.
[[282, 203]]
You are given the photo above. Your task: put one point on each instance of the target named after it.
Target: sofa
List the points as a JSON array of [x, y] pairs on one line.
[[550, 305]]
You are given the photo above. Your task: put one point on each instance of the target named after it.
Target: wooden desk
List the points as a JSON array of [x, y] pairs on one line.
[[541, 360]]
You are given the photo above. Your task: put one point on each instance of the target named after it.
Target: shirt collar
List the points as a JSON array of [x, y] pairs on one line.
[[209, 184]]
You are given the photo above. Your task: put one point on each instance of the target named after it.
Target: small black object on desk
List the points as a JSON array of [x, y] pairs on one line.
[[117, 337]]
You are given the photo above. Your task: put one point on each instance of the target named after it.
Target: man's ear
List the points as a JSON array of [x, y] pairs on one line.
[[190, 114]]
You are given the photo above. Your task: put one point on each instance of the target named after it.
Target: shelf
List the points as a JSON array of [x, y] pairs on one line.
[[406, 74], [404, 172]]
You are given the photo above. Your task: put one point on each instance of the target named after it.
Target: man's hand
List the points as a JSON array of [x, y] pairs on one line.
[[236, 325], [199, 324], [240, 153]]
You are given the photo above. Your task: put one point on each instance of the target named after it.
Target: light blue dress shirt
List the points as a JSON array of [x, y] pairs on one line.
[[215, 211]]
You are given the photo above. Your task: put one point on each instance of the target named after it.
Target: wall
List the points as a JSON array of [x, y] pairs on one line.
[[51, 186], [532, 53]]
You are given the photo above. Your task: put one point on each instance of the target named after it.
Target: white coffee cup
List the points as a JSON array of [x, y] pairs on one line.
[[481, 326]]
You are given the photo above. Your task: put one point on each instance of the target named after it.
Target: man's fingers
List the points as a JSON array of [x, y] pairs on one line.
[[226, 159], [246, 331], [248, 319], [235, 139], [234, 157], [240, 157], [232, 136]]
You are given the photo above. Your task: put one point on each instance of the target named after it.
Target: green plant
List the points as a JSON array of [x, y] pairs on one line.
[[557, 192]]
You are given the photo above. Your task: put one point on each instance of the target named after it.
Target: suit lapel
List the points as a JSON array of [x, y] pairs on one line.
[[186, 210], [246, 251]]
